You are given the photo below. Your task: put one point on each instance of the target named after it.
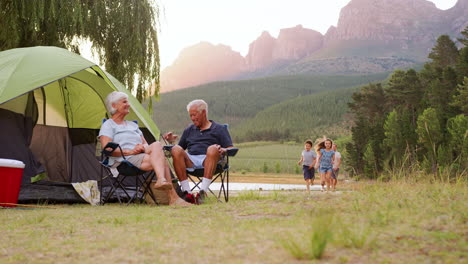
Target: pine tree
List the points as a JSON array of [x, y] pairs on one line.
[[368, 103], [430, 135], [460, 99], [370, 114], [462, 65], [394, 139], [356, 148], [440, 94], [404, 93], [458, 138], [464, 39], [371, 169], [444, 53]]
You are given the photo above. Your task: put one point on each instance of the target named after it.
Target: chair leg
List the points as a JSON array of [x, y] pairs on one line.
[[114, 186], [135, 195], [142, 187], [113, 183], [224, 186], [219, 175], [147, 187], [122, 186], [196, 184], [226, 195]]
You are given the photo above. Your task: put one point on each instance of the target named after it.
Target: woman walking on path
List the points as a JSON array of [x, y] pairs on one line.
[[325, 159], [308, 158]]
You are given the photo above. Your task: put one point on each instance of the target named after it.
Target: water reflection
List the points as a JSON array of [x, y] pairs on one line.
[[235, 186]]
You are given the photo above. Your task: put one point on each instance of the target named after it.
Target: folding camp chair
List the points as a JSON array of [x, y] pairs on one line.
[[221, 173], [119, 184]]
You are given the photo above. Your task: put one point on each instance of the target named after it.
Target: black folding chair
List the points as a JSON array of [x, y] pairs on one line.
[[221, 173], [120, 185]]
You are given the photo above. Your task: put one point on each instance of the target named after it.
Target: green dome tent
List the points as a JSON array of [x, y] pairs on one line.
[[51, 109]]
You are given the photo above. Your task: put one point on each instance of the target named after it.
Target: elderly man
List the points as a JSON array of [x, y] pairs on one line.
[[206, 142]]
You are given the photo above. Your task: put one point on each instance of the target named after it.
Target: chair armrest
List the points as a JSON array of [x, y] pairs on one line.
[[231, 152], [112, 145], [168, 147]]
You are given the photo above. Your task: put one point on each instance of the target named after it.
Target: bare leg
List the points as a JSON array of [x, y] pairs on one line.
[[174, 199], [308, 185], [328, 179], [322, 180], [155, 160], [335, 179], [181, 162], [211, 160]]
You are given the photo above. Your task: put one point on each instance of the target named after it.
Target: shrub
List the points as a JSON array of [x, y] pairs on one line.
[[277, 167]]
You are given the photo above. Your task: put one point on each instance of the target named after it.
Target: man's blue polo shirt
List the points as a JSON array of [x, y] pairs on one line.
[[197, 141]]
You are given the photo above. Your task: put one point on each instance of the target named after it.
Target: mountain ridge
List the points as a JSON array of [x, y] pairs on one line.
[[402, 31]]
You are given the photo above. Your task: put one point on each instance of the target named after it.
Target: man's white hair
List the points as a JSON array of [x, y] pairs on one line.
[[201, 105], [113, 98]]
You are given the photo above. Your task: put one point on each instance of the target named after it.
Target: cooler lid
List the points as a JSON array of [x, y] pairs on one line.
[[11, 163]]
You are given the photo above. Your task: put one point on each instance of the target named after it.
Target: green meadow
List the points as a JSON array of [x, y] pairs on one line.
[[411, 220], [267, 157], [273, 157], [408, 218]]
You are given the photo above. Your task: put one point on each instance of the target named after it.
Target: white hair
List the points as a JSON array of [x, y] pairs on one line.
[[202, 105], [113, 98]]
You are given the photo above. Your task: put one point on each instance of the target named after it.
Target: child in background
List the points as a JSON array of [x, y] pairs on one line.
[[336, 167], [308, 158], [325, 159]]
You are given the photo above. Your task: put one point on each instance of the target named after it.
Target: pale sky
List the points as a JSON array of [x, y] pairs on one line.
[[237, 23]]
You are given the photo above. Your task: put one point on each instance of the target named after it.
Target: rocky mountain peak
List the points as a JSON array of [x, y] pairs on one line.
[[371, 36], [458, 16], [292, 44], [201, 63], [384, 19], [296, 43], [261, 51]]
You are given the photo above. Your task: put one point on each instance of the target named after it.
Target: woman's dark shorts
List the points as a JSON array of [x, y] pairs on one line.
[[308, 174]]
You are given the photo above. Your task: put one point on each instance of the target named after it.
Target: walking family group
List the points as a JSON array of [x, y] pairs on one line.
[[323, 158]]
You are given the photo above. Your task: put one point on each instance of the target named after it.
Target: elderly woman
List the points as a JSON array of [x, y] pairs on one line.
[[134, 146]]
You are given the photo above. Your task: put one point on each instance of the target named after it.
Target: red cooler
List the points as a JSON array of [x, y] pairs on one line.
[[11, 172]]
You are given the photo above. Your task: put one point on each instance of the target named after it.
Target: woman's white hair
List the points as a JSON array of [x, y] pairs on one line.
[[201, 105], [113, 98]]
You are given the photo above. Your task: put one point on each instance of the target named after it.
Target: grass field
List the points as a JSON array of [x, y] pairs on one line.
[[401, 221], [272, 158], [253, 157]]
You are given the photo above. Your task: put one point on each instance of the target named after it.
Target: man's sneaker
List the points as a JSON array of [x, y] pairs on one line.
[[201, 196], [188, 197]]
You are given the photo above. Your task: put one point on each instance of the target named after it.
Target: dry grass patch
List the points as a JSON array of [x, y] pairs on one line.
[[368, 222]]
